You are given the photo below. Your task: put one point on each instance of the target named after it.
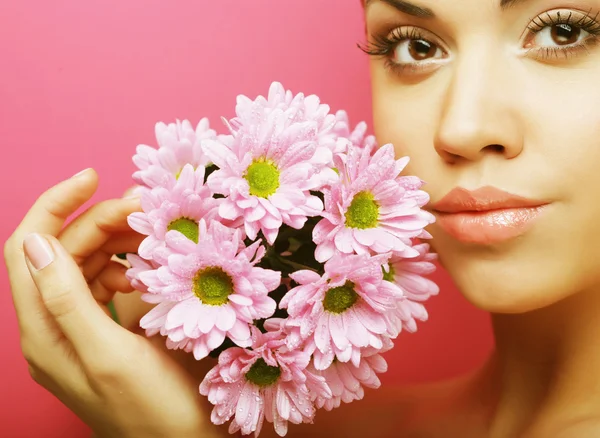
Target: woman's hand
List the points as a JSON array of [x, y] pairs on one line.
[[116, 381]]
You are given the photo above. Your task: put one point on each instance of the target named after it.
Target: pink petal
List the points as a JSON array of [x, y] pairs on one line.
[[356, 332], [370, 319], [255, 214], [283, 403], [226, 318], [322, 339], [139, 222], [228, 210], [343, 240], [305, 276], [324, 251], [240, 299], [364, 237], [206, 318], [240, 330], [200, 350], [336, 329]]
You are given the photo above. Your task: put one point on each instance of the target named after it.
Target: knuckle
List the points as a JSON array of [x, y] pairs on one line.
[[107, 372], [113, 369], [10, 247], [107, 213], [35, 374], [53, 204], [60, 302], [28, 351]]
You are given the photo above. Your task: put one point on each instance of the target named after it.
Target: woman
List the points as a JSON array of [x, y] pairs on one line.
[[496, 103]]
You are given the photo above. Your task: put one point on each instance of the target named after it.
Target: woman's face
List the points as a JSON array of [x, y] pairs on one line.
[[503, 94]]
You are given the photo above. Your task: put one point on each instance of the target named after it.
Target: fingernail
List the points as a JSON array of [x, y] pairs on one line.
[[38, 251], [135, 196], [81, 172]]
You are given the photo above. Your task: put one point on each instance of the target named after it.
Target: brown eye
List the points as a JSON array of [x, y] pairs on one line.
[[558, 35], [564, 34], [411, 50], [421, 49]]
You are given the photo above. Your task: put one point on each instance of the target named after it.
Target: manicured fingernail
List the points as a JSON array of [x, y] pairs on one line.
[[38, 251], [81, 172]]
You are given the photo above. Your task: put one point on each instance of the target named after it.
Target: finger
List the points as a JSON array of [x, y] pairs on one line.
[[131, 190], [92, 229], [112, 279], [67, 297], [117, 244], [47, 215]]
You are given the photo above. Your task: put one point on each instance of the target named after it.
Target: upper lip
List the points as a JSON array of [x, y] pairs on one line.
[[483, 199]]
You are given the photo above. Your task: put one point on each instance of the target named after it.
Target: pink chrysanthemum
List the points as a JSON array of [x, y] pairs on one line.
[[370, 210], [179, 208], [265, 175], [208, 290], [347, 381], [179, 144], [343, 311], [298, 109], [139, 265], [409, 275], [268, 382], [358, 136]]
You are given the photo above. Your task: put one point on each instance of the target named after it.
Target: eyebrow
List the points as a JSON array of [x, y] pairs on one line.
[[407, 8], [507, 4], [423, 12]]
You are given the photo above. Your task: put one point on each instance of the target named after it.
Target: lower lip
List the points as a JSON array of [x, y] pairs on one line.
[[489, 227]]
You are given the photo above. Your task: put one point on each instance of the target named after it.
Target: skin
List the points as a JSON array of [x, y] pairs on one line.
[[107, 375], [489, 113], [492, 114]]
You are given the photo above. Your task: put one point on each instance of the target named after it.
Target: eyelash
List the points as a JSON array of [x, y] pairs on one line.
[[586, 23], [383, 45]]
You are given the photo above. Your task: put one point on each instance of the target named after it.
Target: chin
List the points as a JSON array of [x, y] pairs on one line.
[[516, 277]]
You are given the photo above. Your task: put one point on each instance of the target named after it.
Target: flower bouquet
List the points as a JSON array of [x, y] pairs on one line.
[[287, 248]]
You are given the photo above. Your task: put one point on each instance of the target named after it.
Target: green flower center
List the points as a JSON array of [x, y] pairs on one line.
[[363, 212], [186, 226], [213, 286], [338, 299], [263, 178], [262, 374], [389, 276]]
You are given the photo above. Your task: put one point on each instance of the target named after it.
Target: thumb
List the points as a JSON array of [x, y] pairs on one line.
[[65, 293]]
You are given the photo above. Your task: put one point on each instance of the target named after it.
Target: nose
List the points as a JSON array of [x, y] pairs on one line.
[[479, 111]]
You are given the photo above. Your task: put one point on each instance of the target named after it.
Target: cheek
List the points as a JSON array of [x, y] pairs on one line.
[[561, 131], [408, 117]]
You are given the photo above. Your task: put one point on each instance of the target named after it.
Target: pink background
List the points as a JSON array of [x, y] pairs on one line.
[[83, 82]]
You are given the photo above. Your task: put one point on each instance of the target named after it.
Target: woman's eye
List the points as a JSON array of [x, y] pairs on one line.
[[561, 34], [410, 51]]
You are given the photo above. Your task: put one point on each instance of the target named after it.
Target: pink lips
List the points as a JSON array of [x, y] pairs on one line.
[[486, 215]]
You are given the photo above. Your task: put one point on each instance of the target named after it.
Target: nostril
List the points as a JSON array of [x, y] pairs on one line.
[[495, 148]]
